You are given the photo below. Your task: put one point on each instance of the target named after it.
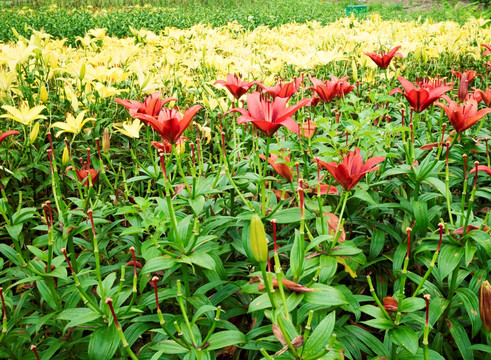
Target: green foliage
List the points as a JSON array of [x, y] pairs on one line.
[[71, 19]]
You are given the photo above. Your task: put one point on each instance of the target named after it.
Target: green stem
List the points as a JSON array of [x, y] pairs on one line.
[[184, 313], [375, 297], [98, 268], [426, 275], [213, 326], [126, 345], [267, 285], [277, 270], [263, 179], [167, 331], [343, 206], [287, 338]]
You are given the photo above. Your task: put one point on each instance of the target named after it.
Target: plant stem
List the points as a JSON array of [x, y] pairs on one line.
[[375, 297]]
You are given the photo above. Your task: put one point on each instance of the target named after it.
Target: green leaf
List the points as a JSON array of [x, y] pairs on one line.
[[365, 196], [420, 210], [202, 259], [406, 355], [292, 215], [103, 343], [134, 331], [197, 204], [482, 238], [344, 249], [297, 256], [382, 324], [9, 253], [376, 243], [203, 309], [78, 316], [46, 294], [222, 339], [259, 303], [170, 347], [157, 264], [320, 337], [369, 340], [437, 184], [461, 339], [449, 259], [405, 337], [132, 230], [470, 250], [325, 295], [14, 230], [471, 304], [411, 304]]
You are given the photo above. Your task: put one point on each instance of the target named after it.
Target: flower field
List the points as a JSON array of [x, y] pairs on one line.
[[303, 191]]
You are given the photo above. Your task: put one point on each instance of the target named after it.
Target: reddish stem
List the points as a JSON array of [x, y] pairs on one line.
[[441, 236], [33, 348], [132, 249], [408, 230], [274, 221], [154, 280], [91, 217], [427, 299], [67, 260], [109, 301]]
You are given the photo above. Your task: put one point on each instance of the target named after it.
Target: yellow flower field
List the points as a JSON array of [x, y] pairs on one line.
[[187, 58]]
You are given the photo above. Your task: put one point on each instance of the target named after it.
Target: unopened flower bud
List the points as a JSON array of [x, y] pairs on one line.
[[485, 305], [43, 94], [66, 156], [34, 133], [258, 241], [106, 142]]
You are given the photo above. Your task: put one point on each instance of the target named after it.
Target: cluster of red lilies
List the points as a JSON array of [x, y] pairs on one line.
[[268, 110]]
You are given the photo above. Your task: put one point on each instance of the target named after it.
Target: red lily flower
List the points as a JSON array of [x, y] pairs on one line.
[[283, 90], [84, 173], [164, 146], [485, 96], [325, 189], [236, 86], [463, 116], [6, 134], [170, 124], [481, 168], [151, 106], [280, 167], [344, 87], [383, 60], [488, 51], [308, 129], [434, 83], [471, 74], [420, 98], [329, 89], [352, 169], [269, 116]]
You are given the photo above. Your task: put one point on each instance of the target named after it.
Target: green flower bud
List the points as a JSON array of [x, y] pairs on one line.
[[259, 243], [34, 133]]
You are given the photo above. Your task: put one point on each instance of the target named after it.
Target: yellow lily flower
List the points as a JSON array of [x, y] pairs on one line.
[[130, 128], [72, 124], [24, 115]]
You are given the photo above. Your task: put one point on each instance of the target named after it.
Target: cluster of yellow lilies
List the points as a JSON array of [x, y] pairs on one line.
[[186, 62]]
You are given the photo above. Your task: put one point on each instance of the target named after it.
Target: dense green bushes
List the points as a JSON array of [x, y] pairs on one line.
[[64, 22]]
